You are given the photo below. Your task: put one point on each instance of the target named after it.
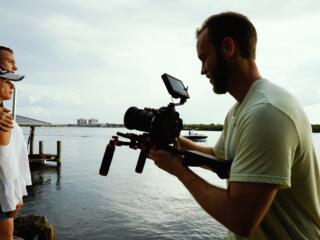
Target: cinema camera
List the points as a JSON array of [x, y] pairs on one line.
[[161, 127]]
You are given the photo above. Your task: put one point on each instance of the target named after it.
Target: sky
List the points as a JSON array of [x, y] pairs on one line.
[[97, 58]]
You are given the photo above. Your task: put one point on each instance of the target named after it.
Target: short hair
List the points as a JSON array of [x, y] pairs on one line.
[[3, 48], [233, 25]]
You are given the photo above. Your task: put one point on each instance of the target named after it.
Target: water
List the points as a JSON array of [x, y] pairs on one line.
[[124, 205], [81, 204]]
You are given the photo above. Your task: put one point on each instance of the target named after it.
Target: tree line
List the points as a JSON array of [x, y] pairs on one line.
[[204, 127]]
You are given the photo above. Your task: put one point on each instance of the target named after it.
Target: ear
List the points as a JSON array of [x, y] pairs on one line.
[[228, 48]]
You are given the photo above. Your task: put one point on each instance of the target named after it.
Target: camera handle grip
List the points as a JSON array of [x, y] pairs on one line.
[[141, 160], [107, 158], [194, 158]]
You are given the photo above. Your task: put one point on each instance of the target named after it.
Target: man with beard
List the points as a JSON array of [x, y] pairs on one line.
[[274, 185]]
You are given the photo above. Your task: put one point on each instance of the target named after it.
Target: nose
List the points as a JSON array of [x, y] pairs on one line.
[[14, 67], [12, 85], [204, 71]]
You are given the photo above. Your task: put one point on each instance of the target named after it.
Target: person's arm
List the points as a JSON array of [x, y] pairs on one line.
[[190, 145], [5, 120], [4, 138], [240, 208], [5, 126]]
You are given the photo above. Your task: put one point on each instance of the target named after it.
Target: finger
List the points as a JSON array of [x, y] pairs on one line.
[[6, 110], [8, 116], [8, 121], [6, 125], [4, 129]]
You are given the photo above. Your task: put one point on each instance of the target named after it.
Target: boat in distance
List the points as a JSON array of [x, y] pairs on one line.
[[195, 136]]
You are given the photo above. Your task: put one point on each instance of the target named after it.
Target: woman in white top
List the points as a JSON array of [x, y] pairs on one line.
[[14, 164]]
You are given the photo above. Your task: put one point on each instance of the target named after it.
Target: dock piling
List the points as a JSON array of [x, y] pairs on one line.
[[40, 147], [31, 139], [58, 153]]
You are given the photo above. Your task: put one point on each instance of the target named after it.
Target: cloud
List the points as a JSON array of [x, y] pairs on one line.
[[57, 98], [97, 58]]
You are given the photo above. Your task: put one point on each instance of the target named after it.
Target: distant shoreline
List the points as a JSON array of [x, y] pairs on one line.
[[196, 127]]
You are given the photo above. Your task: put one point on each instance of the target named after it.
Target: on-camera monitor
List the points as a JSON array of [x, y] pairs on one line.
[[175, 86]]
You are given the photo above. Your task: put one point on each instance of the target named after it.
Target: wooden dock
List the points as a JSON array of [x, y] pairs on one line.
[[41, 157]]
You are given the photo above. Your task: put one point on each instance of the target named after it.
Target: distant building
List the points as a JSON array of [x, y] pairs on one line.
[[82, 122], [93, 121]]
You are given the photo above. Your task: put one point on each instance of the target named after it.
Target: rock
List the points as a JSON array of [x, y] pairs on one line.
[[34, 227]]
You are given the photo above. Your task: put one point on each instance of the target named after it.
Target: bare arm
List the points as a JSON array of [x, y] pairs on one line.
[[240, 208], [4, 138], [188, 144], [5, 126]]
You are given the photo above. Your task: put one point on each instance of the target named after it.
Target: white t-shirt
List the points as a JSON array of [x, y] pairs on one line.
[[14, 170]]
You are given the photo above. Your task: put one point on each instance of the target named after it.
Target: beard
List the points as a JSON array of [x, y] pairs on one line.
[[219, 76]]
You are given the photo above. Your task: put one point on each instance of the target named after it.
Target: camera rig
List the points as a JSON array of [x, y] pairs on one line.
[[161, 127]]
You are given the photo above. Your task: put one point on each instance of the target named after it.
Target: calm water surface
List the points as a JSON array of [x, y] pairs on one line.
[[81, 204]]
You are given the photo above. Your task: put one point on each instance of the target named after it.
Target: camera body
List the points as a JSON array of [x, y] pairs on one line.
[[163, 124]]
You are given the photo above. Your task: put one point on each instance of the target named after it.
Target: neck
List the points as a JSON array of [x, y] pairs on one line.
[[242, 75]]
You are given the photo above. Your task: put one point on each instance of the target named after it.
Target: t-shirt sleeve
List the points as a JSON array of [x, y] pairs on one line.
[[267, 141], [219, 148]]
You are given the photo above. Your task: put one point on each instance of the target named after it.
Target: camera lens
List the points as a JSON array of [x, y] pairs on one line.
[[138, 119]]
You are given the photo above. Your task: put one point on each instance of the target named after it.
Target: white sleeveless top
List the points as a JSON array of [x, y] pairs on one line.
[[14, 170]]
